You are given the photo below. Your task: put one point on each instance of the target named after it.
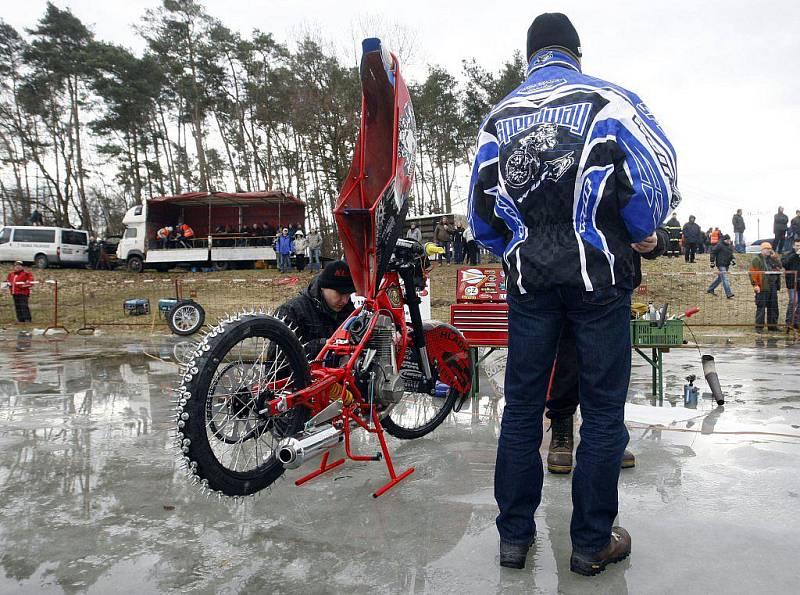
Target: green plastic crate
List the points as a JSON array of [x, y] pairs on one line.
[[644, 332]]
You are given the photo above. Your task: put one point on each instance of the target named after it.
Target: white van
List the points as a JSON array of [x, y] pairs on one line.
[[44, 245]]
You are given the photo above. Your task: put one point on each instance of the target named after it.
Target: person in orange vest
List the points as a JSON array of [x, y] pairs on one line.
[[716, 234], [183, 233], [765, 278], [19, 283], [162, 235]]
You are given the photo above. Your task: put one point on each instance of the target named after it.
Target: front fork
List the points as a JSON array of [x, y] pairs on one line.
[[413, 301]]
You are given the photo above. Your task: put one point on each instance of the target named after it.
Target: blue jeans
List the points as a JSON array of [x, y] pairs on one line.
[[284, 262], [458, 252], [793, 308], [722, 277], [315, 264], [535, 321], [738, 240]]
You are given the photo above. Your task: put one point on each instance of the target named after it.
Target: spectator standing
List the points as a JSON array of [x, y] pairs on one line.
[[94, 253], [569, 263], [766, 282], [692, 239], [299, 246], [779, 229], [458, 244], [20, 282], [35, 218], [315, 250], [738, 231], [103, 261], [471, 247], [414, 233], [706, 244], [791, 262], [722, 258], [673, 227], [794, 226], [564, 395], [283, 251], [443, 235], [269, 233], [714, 237], [255, 235]]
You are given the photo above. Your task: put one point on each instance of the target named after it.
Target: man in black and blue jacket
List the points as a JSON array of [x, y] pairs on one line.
[[572, 176]]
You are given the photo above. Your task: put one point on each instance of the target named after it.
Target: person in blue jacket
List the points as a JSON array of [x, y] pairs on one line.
[[571, 178], [283, 250]]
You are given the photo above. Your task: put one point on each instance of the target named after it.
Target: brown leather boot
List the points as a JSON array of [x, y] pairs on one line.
[[559, 454], [618, 548], [628, 460]]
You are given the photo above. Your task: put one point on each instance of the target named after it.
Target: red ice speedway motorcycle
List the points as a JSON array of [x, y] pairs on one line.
[[250, 405]]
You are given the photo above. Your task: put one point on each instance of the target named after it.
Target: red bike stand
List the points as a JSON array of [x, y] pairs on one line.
[[384, 454], [395, 478], [323, 467]]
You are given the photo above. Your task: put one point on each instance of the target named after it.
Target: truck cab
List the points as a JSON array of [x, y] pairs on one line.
[[133, 242]]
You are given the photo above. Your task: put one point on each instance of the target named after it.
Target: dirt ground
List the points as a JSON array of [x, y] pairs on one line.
[[102, 293]]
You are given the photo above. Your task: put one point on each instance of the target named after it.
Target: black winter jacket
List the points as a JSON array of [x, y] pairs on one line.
[[791, 262], [569, 171], [795, 227], [722, 255], [673, 227], [781, 222], [692, 234], [738, 224], [314, 320]]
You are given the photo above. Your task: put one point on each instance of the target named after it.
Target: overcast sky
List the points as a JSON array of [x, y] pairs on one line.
[[721, 76]]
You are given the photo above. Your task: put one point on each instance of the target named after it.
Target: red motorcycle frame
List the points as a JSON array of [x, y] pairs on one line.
[[375, 364], [369, 214]]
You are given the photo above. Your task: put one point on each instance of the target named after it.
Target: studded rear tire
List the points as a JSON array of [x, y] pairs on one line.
[[242, 363]]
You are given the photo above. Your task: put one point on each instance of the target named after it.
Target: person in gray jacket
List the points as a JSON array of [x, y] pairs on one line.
[[414, 233], [314, 241], [738, 231], [779, 228]]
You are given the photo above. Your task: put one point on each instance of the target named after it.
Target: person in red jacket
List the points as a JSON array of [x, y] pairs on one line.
[[19, 283]]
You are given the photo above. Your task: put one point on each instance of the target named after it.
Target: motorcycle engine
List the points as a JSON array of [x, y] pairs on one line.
[[378, 373]]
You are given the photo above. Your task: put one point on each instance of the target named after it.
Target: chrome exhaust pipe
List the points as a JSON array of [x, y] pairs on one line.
[[293, 452]]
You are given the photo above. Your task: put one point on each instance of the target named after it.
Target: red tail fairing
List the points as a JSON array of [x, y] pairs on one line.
[[373, 202]]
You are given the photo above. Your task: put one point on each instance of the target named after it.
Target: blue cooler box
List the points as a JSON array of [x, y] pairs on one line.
[[166, 304], [136, 307]]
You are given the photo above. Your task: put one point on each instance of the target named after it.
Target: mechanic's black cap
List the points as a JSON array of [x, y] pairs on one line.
[[552, 28], [336, 275]]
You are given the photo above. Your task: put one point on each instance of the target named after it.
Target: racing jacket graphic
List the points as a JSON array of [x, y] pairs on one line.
[[569, 171]]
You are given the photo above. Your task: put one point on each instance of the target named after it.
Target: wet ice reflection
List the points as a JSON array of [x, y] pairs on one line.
[[92, 498]]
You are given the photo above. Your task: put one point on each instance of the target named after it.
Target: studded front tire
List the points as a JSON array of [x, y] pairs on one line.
[[239, 366]]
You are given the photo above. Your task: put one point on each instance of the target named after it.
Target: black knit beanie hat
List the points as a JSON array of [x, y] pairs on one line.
[[336, 275], [552, 28]]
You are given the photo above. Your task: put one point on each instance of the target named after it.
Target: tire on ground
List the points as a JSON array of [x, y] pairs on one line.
[[177, 321]]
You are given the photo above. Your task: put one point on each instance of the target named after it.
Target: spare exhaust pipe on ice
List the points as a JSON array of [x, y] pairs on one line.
[[710, 372], [293, 452]]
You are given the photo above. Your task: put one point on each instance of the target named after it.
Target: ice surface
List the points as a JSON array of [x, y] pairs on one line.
[[92, 500]]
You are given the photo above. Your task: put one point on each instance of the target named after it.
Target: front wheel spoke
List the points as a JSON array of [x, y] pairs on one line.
[[240, 438]]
